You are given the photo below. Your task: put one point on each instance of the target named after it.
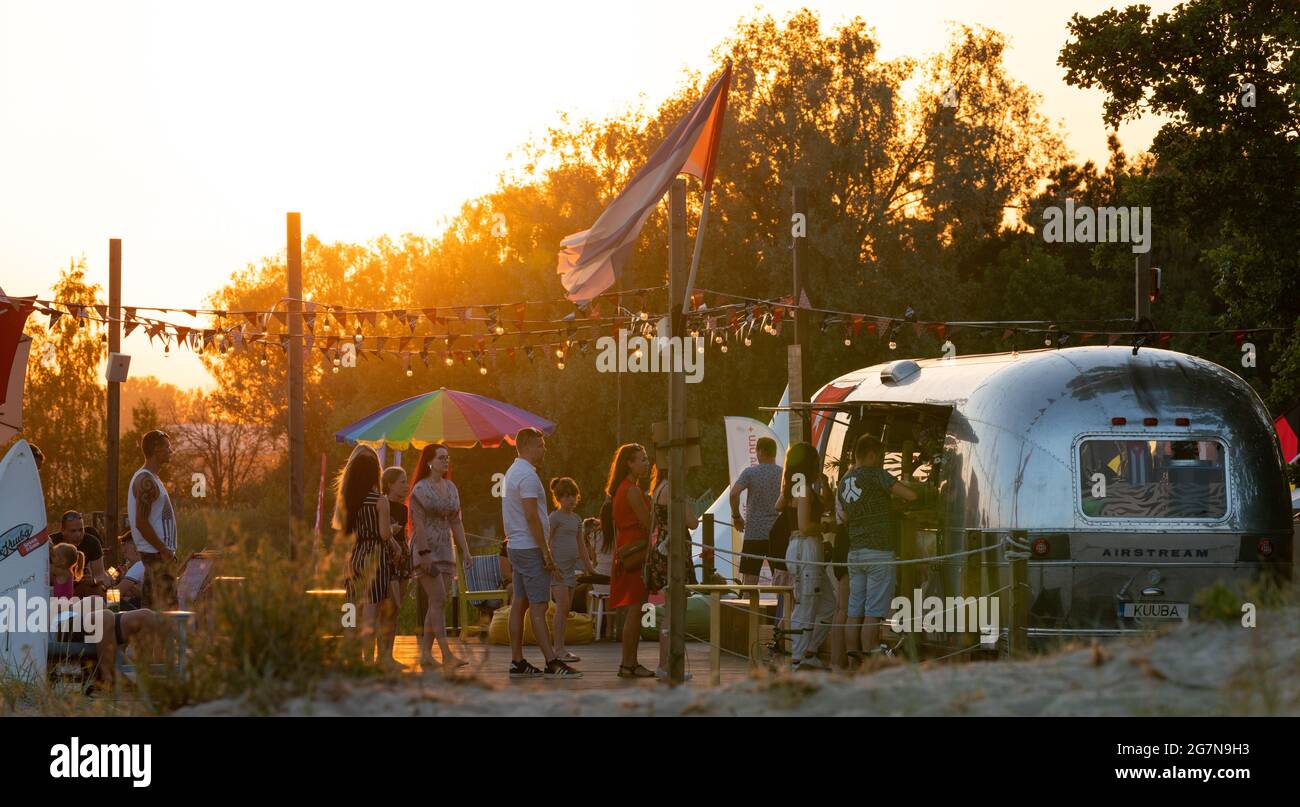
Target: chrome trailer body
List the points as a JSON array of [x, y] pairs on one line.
[[1011, 458]]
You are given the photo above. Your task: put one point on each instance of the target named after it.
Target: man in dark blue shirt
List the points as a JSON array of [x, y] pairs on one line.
[[864, 500]]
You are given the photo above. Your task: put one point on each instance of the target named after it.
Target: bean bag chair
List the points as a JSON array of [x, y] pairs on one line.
[[578, 629], [697, 619]]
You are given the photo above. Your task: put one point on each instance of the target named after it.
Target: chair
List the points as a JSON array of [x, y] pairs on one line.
[[484, 584], [597, 607]]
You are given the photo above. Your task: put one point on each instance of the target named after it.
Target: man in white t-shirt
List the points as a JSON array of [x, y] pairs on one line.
[[523, 512]]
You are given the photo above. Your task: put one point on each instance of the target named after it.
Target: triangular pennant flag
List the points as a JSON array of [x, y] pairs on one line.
[[1007, 334], [281, 317], [102, 310], [253, 317], [431, 314], [182, 334], [1288, 432], [521, 310], [380, 341], [918, 328], [54, 316], [370, 317], [1111, 339], [1165, 336], [193, 312], [857, 324]]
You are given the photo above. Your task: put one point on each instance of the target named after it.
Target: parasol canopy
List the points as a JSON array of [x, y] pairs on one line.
[[457, 419]]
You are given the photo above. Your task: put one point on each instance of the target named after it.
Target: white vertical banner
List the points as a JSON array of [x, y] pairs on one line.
[[742, 440]]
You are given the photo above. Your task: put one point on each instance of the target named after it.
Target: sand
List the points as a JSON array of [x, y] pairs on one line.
[[1189, 669]]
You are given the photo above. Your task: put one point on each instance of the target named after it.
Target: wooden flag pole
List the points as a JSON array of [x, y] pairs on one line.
[[678, 547], [695, 258]]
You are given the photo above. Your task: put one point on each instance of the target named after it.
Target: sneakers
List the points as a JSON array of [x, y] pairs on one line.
[[522, 669], [569, 658], [558, 669], [886, 651], [811, 663]]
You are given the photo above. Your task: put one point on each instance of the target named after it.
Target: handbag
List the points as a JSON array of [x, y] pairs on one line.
[[631, 557]]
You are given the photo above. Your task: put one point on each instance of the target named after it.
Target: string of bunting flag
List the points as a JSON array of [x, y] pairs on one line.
[[1054, 332], [473, 339]]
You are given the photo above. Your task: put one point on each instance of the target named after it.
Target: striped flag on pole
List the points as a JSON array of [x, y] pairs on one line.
[[590, 261]]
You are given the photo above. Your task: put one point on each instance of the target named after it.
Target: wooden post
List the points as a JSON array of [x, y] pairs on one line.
[[678, 548], [715, 637], [1142, 287], [907, 581], [795, 358], [297, 458], [755, 608], [114, 399], [970, 581], [1018, 628], [707, 555]]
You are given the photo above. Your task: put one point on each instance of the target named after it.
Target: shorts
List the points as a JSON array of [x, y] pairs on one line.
[[532, 580], [158, 591], [765, 547], [871, 584]]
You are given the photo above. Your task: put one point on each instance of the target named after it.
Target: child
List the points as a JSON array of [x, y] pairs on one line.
[[66, 567], [567, 550]]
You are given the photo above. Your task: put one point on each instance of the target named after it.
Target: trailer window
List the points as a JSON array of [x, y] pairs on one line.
[[1176, 479]]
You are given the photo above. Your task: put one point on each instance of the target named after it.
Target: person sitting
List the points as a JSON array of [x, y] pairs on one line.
[[73, 532], [131, 582]]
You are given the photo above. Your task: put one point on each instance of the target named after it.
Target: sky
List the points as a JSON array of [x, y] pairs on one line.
[[188, 130]]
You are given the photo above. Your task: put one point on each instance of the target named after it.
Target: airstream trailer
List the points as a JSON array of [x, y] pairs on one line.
[[1136, 479]]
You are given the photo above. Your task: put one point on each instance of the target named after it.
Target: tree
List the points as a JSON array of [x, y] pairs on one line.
[[1227, 173], [226, 450], [908, 198], [64, 400]]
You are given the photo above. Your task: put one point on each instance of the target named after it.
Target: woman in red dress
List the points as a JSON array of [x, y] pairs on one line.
[[631, 516]]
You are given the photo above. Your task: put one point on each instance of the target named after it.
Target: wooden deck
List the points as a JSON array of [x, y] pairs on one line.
[[599, 664]]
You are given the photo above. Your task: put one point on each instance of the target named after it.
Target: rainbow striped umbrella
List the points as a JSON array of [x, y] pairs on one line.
[[458, 419]]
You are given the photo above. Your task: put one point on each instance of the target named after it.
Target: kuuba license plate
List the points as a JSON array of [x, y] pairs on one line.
[[1154, 610]]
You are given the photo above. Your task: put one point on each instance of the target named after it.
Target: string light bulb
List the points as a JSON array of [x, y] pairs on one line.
[[848, 342], [893, 345], [499, 329], [723, 348], [559, 354], [409, 372], [359, 337], [448, 361], [748, 341], [559, 365], [482, 370]]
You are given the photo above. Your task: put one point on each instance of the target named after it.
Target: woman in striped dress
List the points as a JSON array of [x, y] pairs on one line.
[[362, 513]]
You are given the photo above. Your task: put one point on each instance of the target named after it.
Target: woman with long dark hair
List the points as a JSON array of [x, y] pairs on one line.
[[434, 506], [631, 516], [803, 488], [361, 512]]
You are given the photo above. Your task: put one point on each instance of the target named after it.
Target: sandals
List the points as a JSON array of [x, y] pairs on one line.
[[634, 672]]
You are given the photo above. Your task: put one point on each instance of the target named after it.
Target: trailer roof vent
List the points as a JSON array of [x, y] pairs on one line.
[[898, 371]]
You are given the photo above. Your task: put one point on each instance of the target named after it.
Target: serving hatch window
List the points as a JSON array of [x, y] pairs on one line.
[[1174, 479]]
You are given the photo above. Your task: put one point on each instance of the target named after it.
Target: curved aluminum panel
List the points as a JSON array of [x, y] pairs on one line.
[[1010, 456]]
